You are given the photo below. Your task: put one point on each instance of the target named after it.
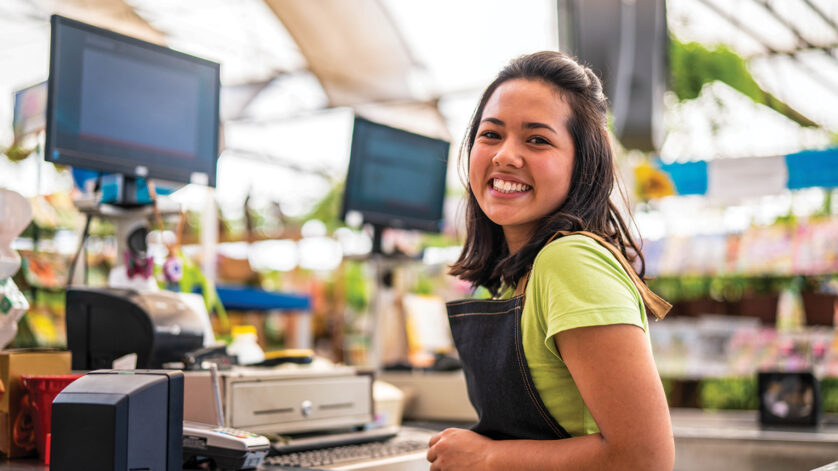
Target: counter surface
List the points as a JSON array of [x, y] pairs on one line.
[[724, 440], [734, 440], [744, 425]]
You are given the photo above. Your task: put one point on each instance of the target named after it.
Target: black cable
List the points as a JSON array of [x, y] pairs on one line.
[[83, 241], [86, 263], [78, 252]]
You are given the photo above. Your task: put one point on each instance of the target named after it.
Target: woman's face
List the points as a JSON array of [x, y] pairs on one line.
[[521, 162]]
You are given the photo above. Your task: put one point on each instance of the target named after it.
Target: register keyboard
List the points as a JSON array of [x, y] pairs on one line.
[[403, 450]]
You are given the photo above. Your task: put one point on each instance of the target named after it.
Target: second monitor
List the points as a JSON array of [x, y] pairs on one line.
[[396, 178]]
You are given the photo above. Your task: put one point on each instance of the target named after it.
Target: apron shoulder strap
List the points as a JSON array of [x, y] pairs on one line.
[[522, 283], [658, 306]]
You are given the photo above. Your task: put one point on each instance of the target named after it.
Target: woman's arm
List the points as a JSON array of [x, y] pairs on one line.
[[613, 368]]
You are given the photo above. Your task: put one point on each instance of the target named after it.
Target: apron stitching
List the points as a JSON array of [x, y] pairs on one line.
[[481, 313], [457, 303], [534, 400]]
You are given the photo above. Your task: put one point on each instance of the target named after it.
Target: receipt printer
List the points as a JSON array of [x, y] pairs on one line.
[[104, 324], [112, 420]]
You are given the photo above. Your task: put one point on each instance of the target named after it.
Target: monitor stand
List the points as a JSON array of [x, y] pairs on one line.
[[377, 251], [127, 214], [383, 265]]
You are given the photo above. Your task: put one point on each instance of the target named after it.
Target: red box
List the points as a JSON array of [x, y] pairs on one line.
[[38, 396], [13, 365]]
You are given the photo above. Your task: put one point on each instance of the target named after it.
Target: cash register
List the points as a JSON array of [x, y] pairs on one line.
[[105, 324]]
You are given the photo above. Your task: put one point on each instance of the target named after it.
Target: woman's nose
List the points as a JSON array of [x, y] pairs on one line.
[[508, 156]]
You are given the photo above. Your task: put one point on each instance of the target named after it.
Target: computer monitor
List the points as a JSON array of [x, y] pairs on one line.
[[120, 105], [396, 178]]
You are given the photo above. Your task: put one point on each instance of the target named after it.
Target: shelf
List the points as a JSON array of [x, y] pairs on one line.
[[241, 298]]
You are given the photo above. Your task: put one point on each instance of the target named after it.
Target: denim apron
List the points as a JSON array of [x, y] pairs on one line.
[[487, 334]]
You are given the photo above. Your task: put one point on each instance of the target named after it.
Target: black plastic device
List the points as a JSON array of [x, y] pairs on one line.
[[113, 420]]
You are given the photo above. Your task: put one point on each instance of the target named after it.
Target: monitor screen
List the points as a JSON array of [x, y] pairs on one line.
[[396, 178], [120, 105], [788, 398]]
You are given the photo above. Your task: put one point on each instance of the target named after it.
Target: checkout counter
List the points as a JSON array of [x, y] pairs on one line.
[[719, 441], [723, 440], [734, 441], [727, 440]]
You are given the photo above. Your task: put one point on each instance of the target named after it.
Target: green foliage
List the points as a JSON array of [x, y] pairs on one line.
[[826, 208], [100, 227], [438, 240], [741, 393], [727, 288], [194, 278], [425, 284], [684, 288], [25, 337], [356, 286], [328, 209], [693, 65], [728, 393], [829, 394], [34, 232]]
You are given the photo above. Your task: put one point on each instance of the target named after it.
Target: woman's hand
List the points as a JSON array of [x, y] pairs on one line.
[[455, 448]]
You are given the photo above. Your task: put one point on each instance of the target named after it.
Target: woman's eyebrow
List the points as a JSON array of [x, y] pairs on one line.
[[493, 121], [527, 125], [536, 125]]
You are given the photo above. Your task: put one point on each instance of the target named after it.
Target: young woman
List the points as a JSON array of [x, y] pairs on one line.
[[559, 365]]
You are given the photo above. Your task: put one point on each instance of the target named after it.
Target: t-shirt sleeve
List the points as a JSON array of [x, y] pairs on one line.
[[576, 282]]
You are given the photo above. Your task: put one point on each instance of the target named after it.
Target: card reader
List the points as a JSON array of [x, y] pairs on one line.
[[227, 447]]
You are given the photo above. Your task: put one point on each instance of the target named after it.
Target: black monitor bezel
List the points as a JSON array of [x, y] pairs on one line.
[[153, 172], [767, 417], [385, 219]]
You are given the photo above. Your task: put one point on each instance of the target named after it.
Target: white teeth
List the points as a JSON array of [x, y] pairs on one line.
[[508, 187]]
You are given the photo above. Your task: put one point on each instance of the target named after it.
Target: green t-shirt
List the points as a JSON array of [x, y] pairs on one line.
[[575, 282]]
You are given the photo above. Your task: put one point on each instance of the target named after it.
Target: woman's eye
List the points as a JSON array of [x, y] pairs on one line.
[[538, 140], [490, 134]]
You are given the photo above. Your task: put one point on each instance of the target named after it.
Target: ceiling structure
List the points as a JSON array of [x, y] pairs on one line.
[[292, 69], [790, 45]]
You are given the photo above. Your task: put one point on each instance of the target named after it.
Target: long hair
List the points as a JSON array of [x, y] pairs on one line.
[[485, 259]]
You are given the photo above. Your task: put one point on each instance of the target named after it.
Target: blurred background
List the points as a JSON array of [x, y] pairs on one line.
[[723, 116]]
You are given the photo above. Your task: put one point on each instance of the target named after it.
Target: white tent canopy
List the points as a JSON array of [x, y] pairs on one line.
[[293, 71]]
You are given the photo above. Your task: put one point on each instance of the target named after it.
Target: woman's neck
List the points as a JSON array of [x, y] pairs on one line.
[[516, 237]]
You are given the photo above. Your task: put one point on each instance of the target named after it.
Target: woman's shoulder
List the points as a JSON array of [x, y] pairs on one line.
[[573, 248], [578, 277]]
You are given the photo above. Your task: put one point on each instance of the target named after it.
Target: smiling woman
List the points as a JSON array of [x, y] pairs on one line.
[[565, 380], [522, 158]]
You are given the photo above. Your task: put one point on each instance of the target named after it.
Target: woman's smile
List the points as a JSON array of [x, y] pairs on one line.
[[521, 162], [503, 187]]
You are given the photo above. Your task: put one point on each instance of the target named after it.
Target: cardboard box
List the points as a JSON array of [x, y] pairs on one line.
[[13, 364]]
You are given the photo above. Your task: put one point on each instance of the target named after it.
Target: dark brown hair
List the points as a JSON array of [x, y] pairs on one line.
[[485, 260]]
